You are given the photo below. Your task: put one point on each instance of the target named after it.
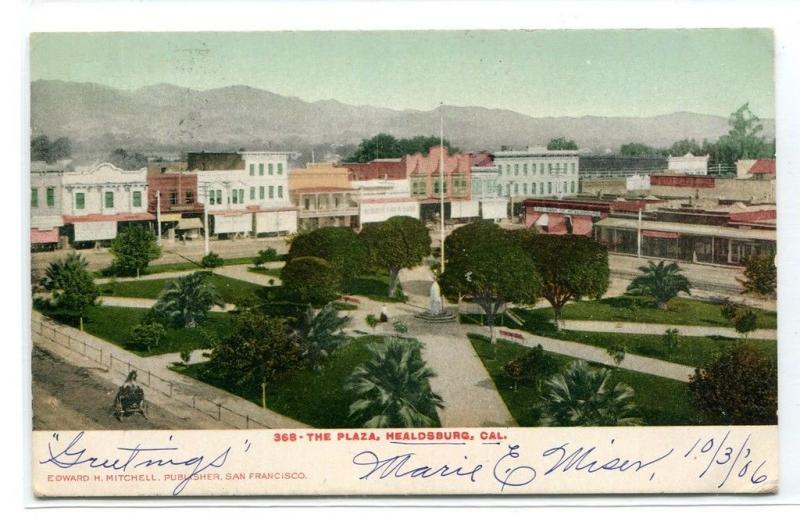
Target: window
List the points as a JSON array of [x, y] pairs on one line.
[[459, 184], [173, 197], [541, 168], [516, 189], [137, 198], [572, 187], [308, 203], [270, 169], [34, 197], [549, 188], [419, 187], [189, 197], [565, 187], [280, 191], [261, 170], [261, 193], [525, 169], [271, 192], [219, 197], [516, 169], [572, 168], [109, 199], [51, 196], [533, 188], [211, 199], [550, 168], [80, 200], [252, 169], [436, 187], [235, 194], [476, 186], [280, 168], [524, 188], [252, 193]]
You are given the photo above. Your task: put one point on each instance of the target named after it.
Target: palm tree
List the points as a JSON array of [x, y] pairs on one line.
[[392, 389], [660, 281], [56, 270], [321, 333], [580, 396], [186, 301]]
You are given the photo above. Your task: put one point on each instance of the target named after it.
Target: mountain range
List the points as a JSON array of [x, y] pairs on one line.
[[165, 117]]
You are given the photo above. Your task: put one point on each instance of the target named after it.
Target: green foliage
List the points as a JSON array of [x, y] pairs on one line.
[[45, 150], [71, 285], [740, 387], [397, 243], [660, 281], [146, 336], [392, 389], [265, 256], [185, 301], [126, 160], [533, 366], [671, 339], [761, 275], [321, 334], [133, 249], [212, 260], [339, 246], [487, 263], [638, 149], [745, 321], [259, 348], [561, 143], [371, 321], [581, 396], [616, 351], [400, 327], [384, 145], [743, 139], [311, 280], [684, 146], [185, 355], [571, 267]]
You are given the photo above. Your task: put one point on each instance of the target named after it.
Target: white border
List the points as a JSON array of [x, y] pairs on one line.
[[186, 16]]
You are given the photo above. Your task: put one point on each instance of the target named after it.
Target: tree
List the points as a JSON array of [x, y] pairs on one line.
[[660, 281], [671, 339], [311, 280], [745, 321], [185, 301], [581, 396], [133, 249], [397, 243], [571, 267], [560, 143], [339, 246], [740, 387], [637, 149], [487, 264], [71, 286], [743, 139], [146, 336], [761, 275], [45, 150], [267, 255], [127, 161], [392, 389], [259, 349], [212, 260], [321, 333], [534, 365], [384, 145], [681, 147]]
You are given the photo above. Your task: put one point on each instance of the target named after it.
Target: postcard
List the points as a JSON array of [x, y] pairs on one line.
[[339, 263]]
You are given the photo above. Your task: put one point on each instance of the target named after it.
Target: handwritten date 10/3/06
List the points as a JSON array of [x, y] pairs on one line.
[[726, 457]]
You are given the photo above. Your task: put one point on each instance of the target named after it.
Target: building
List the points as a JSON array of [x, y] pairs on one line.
[[536, 173], [46, 204], [755, 190], [384, 189], [97, 202], [763, 169], [578, 216], [429, 182], [485, 190], [324, 196], [688, 164], [174, 199], [245, 192]]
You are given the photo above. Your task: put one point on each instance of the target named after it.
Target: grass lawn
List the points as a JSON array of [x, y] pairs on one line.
[[314, 398], [179, 267], [274, 272], [660, 401], [680, 311], [375, 287], [229, 289], [114, 324]]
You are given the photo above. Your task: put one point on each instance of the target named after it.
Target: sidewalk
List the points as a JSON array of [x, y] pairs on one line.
[[133, 302], [660, 329]]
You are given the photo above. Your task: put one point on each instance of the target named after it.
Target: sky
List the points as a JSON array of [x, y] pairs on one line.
[[538, 73]]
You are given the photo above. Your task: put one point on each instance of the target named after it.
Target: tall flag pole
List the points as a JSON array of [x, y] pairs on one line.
[[441, 185]]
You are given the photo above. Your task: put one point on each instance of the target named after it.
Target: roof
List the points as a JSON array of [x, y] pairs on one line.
[[481, 159], [123, 216], [304, 190], [689, 229], [763, 166]]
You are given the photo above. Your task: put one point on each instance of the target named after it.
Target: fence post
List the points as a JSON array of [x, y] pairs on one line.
[[149, 384], [129, 367], [247, 422], [170, 389], [219, 411], [193, 401], [84, 348]]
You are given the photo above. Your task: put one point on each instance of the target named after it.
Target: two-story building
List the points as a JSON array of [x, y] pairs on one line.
[[485, 188], [324, 196], [46, 201], [97, 202], [245, 192], [383, 189], [174, 199]]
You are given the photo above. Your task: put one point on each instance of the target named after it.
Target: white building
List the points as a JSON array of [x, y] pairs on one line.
[[46, 201], [537, 173], [689, 164], [486, 192], [95, 200], [380, 199], [245, 192]]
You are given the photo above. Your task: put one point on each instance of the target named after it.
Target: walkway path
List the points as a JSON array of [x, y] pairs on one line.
[[659, 329], [595, 354], [133, 302], [236, 271]]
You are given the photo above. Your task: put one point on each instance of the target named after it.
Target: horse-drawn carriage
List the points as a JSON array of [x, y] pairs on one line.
[[130, 399]]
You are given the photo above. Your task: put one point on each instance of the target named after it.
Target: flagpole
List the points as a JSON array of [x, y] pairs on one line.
[[441, 185]]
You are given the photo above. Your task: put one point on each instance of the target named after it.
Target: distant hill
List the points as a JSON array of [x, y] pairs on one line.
[[165, 117]]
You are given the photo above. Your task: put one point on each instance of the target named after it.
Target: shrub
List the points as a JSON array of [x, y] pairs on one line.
[[146, 336], [311, 280], [212, 260], [265, 256], [671, 339]]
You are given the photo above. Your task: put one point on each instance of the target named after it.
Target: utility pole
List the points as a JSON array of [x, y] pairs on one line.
[[639, 236], [205, 219], [158, 216], [441, 185]]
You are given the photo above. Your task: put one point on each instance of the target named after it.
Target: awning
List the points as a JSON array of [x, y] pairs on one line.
[[660, 234], [582, 225], [531, 218], [168, 218], [95, 230], [557, 224], [190, 224], [39, 237]]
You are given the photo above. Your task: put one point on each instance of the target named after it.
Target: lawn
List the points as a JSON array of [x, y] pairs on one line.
[[179, 267], [660, 401], [314, 398], [274, 272], [114, 324], [229, 289], [680, 311], [375, 287]]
